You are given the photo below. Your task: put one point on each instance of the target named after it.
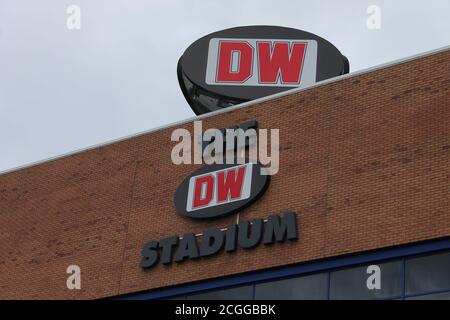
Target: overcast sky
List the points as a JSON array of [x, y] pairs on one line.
[[62, 90]]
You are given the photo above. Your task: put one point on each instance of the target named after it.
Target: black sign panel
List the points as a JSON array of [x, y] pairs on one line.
[[245, 63], [220, 189]]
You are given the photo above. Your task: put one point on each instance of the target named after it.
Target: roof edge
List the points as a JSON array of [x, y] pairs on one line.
[[232, 108]]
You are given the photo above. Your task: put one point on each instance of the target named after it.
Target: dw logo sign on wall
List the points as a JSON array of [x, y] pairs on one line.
[[218, 190]]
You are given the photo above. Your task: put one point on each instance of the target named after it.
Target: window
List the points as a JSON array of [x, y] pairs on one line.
[[311, 287], [352, 283], [428, 273], [419, 277], [237, 293]]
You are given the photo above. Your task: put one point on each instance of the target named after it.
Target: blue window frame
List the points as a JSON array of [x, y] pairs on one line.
[[406, 255]]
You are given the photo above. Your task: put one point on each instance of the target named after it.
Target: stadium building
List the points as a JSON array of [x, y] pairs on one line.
[[364, 169]]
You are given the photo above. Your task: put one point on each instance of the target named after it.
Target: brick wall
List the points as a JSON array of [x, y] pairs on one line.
[[364, 161]]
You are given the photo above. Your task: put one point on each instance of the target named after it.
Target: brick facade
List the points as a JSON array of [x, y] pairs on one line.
[[364, 161]]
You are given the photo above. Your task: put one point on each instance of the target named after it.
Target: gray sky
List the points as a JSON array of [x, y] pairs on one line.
[[62, 90]]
